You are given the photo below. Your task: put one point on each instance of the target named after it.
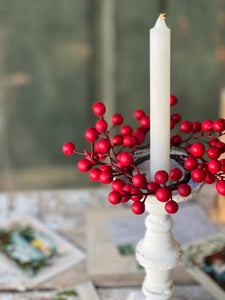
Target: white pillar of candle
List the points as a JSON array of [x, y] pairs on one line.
[[160, 96]]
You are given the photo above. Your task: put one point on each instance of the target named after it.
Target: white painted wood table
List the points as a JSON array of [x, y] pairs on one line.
[[64, 212]]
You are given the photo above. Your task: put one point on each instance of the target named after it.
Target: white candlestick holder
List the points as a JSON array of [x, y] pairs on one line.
[[158, 252]]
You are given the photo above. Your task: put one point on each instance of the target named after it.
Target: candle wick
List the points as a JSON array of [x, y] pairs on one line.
[[162, 16]]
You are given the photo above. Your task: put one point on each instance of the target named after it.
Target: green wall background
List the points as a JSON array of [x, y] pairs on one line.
[[50, 75]]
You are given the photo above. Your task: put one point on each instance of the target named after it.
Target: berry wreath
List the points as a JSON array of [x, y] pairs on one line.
[[114, 159]]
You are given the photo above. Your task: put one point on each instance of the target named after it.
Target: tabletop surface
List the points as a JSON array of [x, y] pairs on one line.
[[64, 212]]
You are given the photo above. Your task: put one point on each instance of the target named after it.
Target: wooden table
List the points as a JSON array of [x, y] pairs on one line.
[[64, 211]]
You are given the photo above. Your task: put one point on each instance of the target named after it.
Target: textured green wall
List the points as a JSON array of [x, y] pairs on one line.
[[55, 45]]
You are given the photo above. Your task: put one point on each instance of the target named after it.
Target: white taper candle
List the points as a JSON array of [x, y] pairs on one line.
[[160, 96]]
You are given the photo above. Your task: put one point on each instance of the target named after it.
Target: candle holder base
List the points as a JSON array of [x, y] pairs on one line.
[[158, 252], [140, 296]]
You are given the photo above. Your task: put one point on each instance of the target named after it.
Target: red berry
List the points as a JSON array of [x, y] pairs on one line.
[[209, 178], [102, 146], [214, 166], [220, 187], [163, 194], [128, 187], [101, 126], [126, 159], [89, 158], [99, 109], [124, 194], [220, 145], [153, 186], [139, 180], [84, 165], [140, 129], [222, 161], [175, 140], [191, 163], [172, 124], [171, 207], [120, 166], [188, 149], [106, 177], [140, 136], [126, 129], [161, 177], [197, 149], [117, 140], [213, 152], [198, 175], [95, 174], [117, 185], [117, 119], [176, 118], [91, 135], [175, 174], [102, 156], [197, 126], [106, 168], [173, 100], [186, 127], [222, 120], [138, 207], [137, 194], [115, 197], [68, 148], [207, 125], [129, 141], [139, 114], [213, 141], [218, 125], [184, 189], [145, 122]]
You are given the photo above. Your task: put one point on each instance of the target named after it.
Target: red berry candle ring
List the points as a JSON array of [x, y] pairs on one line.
[[121, 159]]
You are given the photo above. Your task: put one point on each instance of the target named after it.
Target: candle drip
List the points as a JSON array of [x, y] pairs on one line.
[[162, 16]]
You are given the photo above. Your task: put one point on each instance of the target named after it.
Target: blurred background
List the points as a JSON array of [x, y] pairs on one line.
[[59, 57]]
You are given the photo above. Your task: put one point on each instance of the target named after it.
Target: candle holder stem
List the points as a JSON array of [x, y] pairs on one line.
[[158, 253]]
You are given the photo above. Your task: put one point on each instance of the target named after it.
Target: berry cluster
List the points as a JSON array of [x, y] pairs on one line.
[[111, 159]]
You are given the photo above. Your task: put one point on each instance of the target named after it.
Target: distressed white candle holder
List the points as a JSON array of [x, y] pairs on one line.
[[158, 252]]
